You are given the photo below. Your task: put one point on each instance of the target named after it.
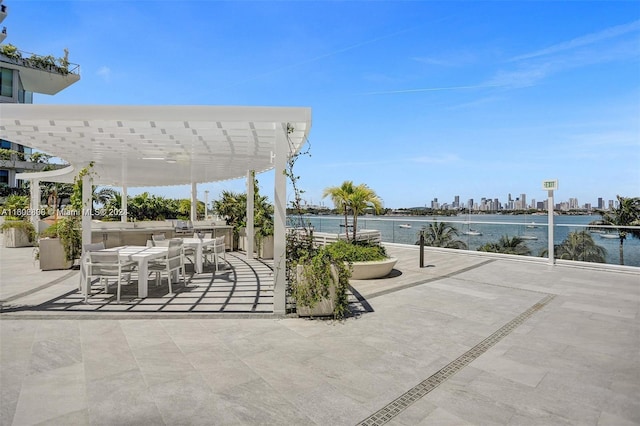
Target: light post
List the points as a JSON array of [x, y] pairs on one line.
[[550, 185], [206, 205]]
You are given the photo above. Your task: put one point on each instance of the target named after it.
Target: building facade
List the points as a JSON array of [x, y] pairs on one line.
[[21, 75]]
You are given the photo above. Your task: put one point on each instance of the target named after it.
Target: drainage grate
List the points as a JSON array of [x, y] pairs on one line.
[[391, 410]]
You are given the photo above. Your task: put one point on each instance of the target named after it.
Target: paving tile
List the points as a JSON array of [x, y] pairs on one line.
[[122, 398], [51, 394]]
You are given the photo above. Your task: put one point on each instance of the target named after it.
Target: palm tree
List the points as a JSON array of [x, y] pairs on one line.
[[348, 198], [515, 245], [626, 214], [442, 234], [361, 199], [340, 196], [579, 245]]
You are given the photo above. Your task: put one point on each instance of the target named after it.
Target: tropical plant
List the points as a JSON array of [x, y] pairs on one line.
[[579, 245], [507, 245], [316, 280], [103, 195], [442, 234], [355, 200], [26, 227], [14, 205], [233, 207], [301, 250], [70, 233], [146, 206], [346, 251], [624, 216], [340, 196]]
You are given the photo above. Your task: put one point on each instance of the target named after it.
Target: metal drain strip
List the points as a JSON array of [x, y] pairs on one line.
[[398, 405]]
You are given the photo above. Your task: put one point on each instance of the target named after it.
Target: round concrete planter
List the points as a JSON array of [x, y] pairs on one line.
[[373, 269]]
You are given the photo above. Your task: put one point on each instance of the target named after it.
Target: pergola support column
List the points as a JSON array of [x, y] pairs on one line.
[[250, 213], [87, 206], [280, 221], [123, 204], [194, 201], [34, 192]]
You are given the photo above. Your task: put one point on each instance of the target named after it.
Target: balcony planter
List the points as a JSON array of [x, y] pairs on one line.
[[60, 244], [323, 306], [52, 255], [265, 247], [372, 269], [18, 233]]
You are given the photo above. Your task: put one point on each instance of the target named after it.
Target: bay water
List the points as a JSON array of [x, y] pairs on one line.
[[492, 227]]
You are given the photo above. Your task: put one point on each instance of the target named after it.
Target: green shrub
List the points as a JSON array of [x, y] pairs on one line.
[[27, 227], [356, 252]]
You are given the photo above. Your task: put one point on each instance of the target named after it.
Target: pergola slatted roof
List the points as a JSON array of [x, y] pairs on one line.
[[157, 145]]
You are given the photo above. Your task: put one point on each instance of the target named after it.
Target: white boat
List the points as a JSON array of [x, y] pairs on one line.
[[470, 231], [609, 236], [532, 225], [405, 225], [528, 237]]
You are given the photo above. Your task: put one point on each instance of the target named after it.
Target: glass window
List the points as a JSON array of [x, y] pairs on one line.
[[6, 82], [5, 144], [4, 176]]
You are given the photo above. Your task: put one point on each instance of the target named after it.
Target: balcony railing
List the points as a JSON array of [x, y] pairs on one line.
[[32, 60], [574, 236]]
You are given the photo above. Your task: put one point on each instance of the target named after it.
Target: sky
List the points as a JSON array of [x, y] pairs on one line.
[[417, 99]]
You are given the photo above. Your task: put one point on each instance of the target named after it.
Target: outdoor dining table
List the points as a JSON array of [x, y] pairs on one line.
[[198, 244], [142, 255]]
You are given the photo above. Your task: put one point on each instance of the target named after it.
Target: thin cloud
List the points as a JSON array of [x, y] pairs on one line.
[[432, 89], [444, 159], [105, 73], [582, 41]]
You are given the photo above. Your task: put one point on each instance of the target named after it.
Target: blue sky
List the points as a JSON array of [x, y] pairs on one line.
[[419, 100]]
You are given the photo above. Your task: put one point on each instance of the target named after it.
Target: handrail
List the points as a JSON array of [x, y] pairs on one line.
[[46, 63]]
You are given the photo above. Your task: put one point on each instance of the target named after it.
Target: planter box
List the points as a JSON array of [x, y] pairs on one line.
[[265, 249], [372, 270], [52, 255], [324, 307], [16, 237]]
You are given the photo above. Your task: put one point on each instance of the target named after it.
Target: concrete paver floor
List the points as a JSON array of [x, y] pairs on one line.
[[567, 351]]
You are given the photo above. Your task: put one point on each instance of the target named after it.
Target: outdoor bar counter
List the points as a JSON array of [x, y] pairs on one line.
[[116, 234]]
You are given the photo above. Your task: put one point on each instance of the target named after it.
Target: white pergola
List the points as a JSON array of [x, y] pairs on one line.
[[145, 146]]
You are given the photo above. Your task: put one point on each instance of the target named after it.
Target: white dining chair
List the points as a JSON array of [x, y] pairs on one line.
[[106, 265], [86, 248], [173, 261]]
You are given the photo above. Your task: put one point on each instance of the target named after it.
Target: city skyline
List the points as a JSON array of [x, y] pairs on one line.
[[511, 203]]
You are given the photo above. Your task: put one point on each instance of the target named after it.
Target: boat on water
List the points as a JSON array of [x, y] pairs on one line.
[[609, 236], [528, 237], [405, 225], [532, 225], [472, 232]]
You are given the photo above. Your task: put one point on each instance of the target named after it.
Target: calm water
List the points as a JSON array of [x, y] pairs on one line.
[[492, 228]]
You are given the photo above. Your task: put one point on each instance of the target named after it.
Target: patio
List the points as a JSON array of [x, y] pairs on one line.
[[469, 339]]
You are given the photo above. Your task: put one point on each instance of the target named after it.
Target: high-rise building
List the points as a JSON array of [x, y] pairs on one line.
[[21, 75], [600, 203]]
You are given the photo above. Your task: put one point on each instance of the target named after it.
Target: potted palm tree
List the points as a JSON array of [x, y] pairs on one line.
[[367, 261]]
